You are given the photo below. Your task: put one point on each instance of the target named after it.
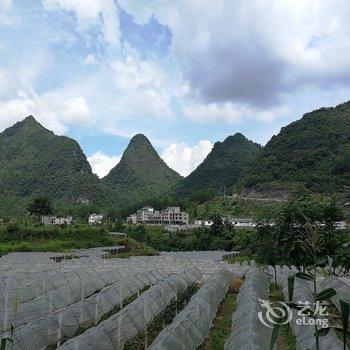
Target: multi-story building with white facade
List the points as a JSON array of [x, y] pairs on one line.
[[54, 220], [168, 216], [95, 219]]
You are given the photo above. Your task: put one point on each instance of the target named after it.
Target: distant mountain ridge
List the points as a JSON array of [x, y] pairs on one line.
[[313, 151], [34, 161], [221, 169], [141, 173]]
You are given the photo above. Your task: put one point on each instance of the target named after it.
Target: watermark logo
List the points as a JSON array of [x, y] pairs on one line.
[[305, 315], [272, 313]]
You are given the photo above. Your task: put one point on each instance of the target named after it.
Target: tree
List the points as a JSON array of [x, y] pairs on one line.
[[266, 247], [290, 222], [217, 227], [40, 206], [331, 212], [139, 233]]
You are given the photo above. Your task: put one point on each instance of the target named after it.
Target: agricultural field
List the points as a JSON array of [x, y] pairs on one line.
[[176, 300]]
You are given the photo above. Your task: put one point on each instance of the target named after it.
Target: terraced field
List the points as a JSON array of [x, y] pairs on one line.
[[169, 302]]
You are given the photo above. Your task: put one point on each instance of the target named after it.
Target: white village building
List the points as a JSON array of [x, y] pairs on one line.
[[243, 222], [95, 219], [54, 220], [206, 223], [168, 216], [237, 222], [340, 225]]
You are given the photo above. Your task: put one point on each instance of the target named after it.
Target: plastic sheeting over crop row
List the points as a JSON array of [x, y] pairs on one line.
[[342, 288], [76, 287], [52, 280], [114, 332], [241, 270], [248, 332], [304, 332], [64, 323], [190, 327], [20, 269]]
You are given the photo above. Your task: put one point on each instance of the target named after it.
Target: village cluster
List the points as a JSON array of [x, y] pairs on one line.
[[172, 218]]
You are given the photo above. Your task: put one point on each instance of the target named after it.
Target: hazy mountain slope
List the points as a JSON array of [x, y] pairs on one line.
[[220, 169], [141, 173], [314, 151], [34, 161]]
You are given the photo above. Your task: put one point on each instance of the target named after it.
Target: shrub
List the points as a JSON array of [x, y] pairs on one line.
[[12, 227]]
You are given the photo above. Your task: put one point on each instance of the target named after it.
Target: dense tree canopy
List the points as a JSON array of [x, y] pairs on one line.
[[35, 162], [281, 233], [220, 170], [313, 151], [40, 206], [141, 174]]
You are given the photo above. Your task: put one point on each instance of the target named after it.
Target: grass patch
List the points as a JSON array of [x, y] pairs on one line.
[[161, 321], [40, 246], [285, 339], [238, 259], [146, 251], [222, 324], [17, 238]]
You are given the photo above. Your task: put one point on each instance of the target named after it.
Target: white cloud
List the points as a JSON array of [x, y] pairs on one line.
[[231, 113], [255, 52], [91, 12], [75, 111], [9, 84], [101, 163], [90, 59], [18, 108], [183, 158], [7, 15], [143, 85], [54, 110]]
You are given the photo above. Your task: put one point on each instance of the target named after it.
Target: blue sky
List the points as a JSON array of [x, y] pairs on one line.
[[185, 75]]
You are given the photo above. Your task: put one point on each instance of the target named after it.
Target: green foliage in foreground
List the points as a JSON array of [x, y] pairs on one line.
[[280, 234], [285, 338]]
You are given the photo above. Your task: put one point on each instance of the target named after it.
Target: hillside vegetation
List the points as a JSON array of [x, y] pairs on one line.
[[220, 170], [313, 151], [141, 173], [36, 162], [36, 238], [230, 207]]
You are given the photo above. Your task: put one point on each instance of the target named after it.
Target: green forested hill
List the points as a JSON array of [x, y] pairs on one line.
[[141, 173], [34, 161], [220, 169], [313, 151]]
